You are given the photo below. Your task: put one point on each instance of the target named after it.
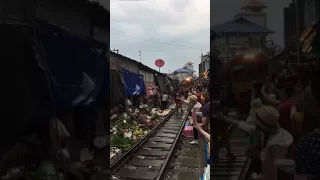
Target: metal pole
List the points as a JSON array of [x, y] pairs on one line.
[[298, 31], [140, 55]]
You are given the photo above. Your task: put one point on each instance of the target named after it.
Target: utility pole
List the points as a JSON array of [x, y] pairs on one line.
[[140, 55], [298, 31]]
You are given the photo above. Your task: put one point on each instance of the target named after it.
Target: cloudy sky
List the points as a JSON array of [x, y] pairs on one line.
[[173, 30], [176, 31]]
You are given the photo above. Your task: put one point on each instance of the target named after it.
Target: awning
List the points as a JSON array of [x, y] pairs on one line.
[[206, 73], [309, 38], [133, 83], [77, 66], [117, 92], [161, 84]]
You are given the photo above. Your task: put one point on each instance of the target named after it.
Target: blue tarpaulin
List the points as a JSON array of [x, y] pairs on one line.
[[133, 83], [78, 67]]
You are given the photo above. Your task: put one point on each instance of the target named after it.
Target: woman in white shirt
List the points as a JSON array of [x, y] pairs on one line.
[[195, 110]]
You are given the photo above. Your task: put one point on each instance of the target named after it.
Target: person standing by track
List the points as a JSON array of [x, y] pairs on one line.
[[164, 100], [178, 101], [195, 107]]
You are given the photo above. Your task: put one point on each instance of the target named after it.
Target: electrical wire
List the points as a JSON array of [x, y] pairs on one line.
[[157, 42]]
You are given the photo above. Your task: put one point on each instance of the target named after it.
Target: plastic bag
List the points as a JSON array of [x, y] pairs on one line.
[[206, 173]]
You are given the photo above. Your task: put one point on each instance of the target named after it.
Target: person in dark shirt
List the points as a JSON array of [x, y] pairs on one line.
[[206, 112]]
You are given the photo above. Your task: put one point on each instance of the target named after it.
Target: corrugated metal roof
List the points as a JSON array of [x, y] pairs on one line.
[[240, 25]]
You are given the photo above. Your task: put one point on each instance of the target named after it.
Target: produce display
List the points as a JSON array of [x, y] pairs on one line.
[[127, 130]]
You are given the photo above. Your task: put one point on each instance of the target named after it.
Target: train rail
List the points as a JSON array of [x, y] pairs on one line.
[[148, 159], [227, 169], [232, 169]]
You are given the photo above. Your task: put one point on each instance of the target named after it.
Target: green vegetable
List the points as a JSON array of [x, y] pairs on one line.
[[155, 117], [121, 142]]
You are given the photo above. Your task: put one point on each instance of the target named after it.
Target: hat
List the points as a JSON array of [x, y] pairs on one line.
[[192, 99], [266, 118]]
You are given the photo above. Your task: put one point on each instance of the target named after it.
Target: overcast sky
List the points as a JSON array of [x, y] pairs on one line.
[[176, 30], [172, 30]]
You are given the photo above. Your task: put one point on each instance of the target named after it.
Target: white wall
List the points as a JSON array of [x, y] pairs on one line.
[[147, 77], [129, 65]]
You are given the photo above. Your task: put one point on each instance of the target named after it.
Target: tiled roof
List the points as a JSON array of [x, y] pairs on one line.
[[240, 25]]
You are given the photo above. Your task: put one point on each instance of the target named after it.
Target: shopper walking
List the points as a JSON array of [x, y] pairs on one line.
[[164, 100]]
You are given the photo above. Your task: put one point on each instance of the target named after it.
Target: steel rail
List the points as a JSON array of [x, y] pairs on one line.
[[114, 167], [172, 148]]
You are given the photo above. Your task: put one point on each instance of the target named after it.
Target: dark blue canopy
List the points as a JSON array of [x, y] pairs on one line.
[[78, 67], [133, 83]]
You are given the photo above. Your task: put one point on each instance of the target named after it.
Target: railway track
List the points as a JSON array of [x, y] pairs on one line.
[[236, 169], [148, 159]]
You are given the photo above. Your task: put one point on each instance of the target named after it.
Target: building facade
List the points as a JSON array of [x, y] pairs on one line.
[[184, 72], [204, 64], [311, 12], [245, 31], [290, 24], [118, 61]]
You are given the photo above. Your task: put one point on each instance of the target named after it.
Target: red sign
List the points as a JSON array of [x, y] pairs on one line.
[[159, 63]]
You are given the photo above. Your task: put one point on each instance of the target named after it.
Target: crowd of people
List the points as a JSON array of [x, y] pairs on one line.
[[284, 122]]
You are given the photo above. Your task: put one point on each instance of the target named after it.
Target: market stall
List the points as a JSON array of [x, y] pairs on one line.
[[128, 129]]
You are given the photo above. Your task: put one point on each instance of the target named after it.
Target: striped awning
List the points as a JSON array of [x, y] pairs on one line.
[[308, 36], [206, 73]]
